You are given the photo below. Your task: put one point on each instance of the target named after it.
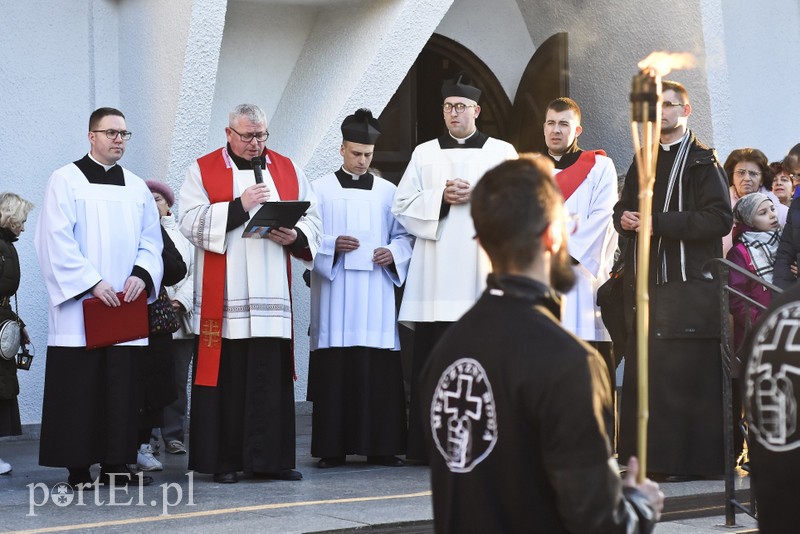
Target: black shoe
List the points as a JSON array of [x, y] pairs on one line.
[[226, 478], [123, 476], [333, 461], [82, 476], [283, 474], [388, 461]]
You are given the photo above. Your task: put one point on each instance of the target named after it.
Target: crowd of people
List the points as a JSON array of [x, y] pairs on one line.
[[500, 257]]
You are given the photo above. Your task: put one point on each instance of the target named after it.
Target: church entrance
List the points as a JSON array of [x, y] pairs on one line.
[[414, 113]]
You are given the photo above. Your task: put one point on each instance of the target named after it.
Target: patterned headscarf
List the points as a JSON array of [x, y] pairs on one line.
[[746, 208]]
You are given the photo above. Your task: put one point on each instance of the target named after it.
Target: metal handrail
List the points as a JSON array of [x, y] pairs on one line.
[[723, 268]]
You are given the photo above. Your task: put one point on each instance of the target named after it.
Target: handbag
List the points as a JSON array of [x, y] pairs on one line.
[[10, 336], [611, 301], [163, 319], [684, 310]]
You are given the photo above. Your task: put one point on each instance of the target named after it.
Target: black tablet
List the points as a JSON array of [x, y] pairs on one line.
[[282, 214]]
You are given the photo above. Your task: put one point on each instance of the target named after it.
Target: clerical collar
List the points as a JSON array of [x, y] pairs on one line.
[[105, 167], [99, 174], [462, 140], [570, 156], [240, 162], [668, 146], [350, 181], [476, 140], [353, 175]]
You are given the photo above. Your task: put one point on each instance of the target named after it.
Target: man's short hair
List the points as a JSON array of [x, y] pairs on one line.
[[512, 206], [671, 85], [752, 155], [251, 112], [98, 114], [792, 158], [565, 103]]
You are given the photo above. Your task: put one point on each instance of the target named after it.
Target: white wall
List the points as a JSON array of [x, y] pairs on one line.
[[260, 47], [503, 42], [152, 44], [757, 107], [47, 82]]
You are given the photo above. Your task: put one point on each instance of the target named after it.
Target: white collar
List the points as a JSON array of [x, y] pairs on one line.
[[106, 167], [667, 147], [353, 175], [463, 140]]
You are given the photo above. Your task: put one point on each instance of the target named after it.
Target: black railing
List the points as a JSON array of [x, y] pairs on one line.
[[721, 267]]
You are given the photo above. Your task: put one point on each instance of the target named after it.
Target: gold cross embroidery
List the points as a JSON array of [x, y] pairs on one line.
[[211, 333]]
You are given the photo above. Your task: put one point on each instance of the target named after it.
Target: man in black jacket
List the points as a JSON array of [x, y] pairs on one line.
[[515, 404], [771, 388], [691, 214]]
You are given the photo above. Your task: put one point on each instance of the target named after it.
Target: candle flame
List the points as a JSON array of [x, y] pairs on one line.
[[662, 63]]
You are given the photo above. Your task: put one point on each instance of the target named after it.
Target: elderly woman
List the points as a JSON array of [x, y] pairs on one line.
[[782, 184], [181, 294], [748, 172], [13, 214]]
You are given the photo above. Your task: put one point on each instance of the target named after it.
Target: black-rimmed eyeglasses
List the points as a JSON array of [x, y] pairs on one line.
[[247, 137], [112, 134], [460, 108]]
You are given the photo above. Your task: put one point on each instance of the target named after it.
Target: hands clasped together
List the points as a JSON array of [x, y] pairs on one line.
[[457, 191]]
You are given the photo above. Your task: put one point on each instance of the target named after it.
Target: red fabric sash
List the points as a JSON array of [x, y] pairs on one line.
[[217, 176], [573, 176]]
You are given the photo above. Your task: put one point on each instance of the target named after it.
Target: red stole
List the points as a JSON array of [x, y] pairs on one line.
[[573, 176], [217, 174]]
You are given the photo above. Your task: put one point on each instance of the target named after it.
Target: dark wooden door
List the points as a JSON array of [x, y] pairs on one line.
[[546, 77]]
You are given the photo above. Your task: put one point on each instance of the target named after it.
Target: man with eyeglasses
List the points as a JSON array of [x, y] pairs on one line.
[[691, 214], [243, 389], [98, 234], [588, 183], [448, 270]]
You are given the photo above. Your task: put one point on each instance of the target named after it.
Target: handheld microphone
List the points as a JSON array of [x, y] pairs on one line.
[[256, 162]]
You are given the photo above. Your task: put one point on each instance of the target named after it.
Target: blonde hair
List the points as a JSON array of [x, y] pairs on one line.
[[13, 211]]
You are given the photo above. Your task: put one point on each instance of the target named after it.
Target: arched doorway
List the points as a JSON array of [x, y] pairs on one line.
[[414, 113]]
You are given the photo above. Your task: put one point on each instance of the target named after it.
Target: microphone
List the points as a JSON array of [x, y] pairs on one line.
[[256, 162]]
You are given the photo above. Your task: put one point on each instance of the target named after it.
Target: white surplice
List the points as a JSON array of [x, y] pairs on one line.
[[448, 268], [257, 293], [353, 303], [593, 245], [90, 232]]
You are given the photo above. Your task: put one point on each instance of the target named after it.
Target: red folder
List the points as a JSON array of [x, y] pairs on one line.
[[106, 326]]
